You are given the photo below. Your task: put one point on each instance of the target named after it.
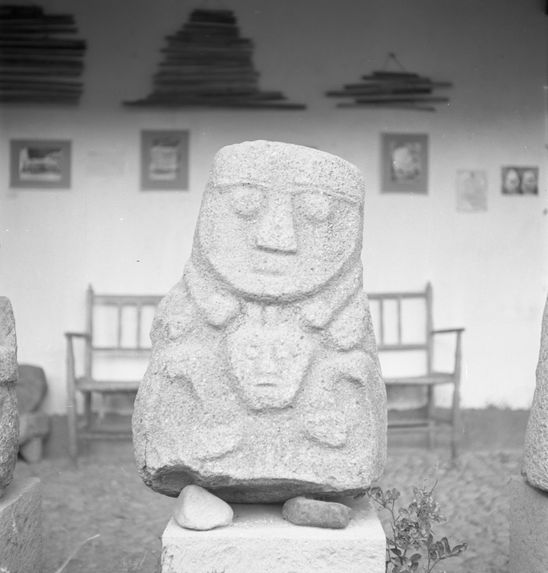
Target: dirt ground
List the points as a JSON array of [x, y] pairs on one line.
[[103, 495]]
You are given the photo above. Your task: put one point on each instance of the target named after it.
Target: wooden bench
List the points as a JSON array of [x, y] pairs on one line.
[[403, 323], [115, 342]]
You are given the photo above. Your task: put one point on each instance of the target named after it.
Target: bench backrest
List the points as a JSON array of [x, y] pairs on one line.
[[403, 323], [118, 325]]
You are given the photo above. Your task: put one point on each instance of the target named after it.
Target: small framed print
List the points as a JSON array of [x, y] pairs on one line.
[[40, 163], [164, 160], [471, 191], [404, 163], [519, 180]]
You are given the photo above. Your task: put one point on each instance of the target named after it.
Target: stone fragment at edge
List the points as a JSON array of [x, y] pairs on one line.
[[9, 420], [264, 382], [535, 458]]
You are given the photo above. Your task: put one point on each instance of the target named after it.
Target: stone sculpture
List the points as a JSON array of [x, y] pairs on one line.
[[264, 382], [9, 427], [535, 459]]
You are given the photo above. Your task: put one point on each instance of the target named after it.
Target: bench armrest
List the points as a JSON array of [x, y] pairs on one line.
[[448, 330], [458, 349], [70, 335], [70, 361]]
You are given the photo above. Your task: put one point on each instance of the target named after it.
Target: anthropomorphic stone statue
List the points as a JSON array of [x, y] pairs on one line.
[[264, 382], [9, 427], [535, 459]]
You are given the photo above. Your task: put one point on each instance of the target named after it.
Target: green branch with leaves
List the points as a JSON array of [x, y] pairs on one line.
[[411, 546]]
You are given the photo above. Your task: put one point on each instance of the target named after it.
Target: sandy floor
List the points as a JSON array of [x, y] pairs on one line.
[[104, 496]]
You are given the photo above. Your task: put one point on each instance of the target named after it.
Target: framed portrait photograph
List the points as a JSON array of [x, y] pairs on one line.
[[164, 160], [40, 163], [404, 163], [519, 180]]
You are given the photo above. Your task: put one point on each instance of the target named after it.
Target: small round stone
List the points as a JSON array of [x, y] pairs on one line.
[[198, 509], [316, 513]]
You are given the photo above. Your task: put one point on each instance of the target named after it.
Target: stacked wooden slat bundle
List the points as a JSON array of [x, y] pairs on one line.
[[207, 63], [39, 60], [396, 90]]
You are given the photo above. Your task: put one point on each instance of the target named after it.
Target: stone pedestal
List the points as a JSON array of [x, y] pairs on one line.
[[261, 540], [528, 527], [21, 528]]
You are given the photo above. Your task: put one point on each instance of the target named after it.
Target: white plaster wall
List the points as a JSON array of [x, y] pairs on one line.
[[489, 270]]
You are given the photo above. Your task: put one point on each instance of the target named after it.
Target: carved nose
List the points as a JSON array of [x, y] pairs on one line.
[[267, 364], [276, 231]]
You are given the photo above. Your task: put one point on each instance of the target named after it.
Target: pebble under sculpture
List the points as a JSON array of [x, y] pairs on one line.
[[264, 382]]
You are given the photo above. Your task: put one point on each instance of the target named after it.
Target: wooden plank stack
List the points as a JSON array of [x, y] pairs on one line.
[[395, 90], [40, 60], [208, 64]]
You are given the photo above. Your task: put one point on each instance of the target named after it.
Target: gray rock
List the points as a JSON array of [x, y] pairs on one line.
[[31, 389], [264, 382], [9, 427], [316, 513], [535, 460], [198, 509]]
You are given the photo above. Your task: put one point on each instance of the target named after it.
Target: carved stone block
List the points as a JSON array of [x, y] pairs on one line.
[[264, 382], [260, 540], [21, 527], [535, 459], [9, 426]]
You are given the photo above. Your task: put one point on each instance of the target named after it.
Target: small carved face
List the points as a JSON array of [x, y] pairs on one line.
[[269, 363], [277, 242]]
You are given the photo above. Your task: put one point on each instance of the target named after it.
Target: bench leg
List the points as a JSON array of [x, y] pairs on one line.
[[430, 435], [456, 428], [72, 429], [430, 416], [87, 409]]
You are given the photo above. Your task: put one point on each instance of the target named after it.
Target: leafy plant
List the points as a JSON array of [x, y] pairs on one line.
[[412, 546]]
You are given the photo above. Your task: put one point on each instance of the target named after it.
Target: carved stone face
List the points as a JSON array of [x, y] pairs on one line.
[[284, 223], [269, 362]]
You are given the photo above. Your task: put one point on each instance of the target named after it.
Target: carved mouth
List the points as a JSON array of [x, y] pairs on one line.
[[267, 381], [264, 270]]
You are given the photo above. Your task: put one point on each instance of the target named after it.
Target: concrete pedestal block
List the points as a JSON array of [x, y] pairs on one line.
[[528, 527], [21, 527], [259, 539]]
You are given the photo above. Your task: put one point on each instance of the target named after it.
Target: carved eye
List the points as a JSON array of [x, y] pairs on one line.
[[252, 351], [314, 206], [247, 201]]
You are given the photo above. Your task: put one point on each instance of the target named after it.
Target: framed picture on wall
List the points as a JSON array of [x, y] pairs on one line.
[[404, 163], [471, 190], [40, 163], [164, 160], [519, 180]]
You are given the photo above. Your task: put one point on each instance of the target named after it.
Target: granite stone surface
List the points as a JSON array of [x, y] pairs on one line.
[[264, 382], [535, 458], [9, 425], [261, 541], [200, 510], [21, 527], [316, 513], [528, 527]]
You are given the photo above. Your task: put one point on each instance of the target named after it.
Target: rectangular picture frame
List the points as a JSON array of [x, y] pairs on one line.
[[519, 180], [164, 159], [404, 163], [40, 163], [471, 190]]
